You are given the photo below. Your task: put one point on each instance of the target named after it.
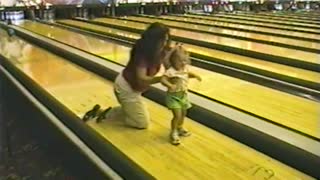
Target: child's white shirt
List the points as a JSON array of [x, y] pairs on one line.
[[179, 78]]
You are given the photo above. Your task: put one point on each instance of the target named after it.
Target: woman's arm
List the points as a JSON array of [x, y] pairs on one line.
[[142, 75], [165, 81]]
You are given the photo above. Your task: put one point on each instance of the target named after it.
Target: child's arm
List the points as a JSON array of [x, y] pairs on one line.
[[193, 75]]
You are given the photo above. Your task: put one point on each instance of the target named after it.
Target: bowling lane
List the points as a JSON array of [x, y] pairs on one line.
[[305, 25], [233, 24], [294, 15], [278, 107], [241, 44], [279, 18], [252, 62], [260, 23], [216, 156], [187, 22]]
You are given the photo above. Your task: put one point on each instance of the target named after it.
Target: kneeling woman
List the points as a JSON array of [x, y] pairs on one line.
[[145, 61]]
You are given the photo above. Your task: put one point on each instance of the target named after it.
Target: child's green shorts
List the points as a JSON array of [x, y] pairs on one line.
[[178, 100]]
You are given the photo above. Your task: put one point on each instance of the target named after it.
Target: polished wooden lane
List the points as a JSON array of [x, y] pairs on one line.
[[188, 23], [205, 155], [282, 108], [235, 24], [280, 18], [306, 26], [251, 62], [241, 44], [263, 23], [311, 16]]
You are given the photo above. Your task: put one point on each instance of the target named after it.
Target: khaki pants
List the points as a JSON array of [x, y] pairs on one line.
[[132, 108]]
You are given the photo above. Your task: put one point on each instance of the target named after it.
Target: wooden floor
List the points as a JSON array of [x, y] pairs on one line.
[[229, 57], [185, 22], [295, 112], [262, 23], [304, 20], [241, 44], [308, 26], [205, 155], [293, 15], [251, 25], [234, 24]]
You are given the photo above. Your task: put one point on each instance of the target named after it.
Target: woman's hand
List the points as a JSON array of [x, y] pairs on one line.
[[172, 87], [166, 82]]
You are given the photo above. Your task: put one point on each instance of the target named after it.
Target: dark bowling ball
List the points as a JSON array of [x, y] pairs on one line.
[[11, 32]]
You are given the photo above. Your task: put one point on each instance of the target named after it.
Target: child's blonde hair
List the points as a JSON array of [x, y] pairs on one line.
[[179, 53]]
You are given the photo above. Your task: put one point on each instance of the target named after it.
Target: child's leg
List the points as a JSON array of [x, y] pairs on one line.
[[177, 114], [181, 130], [181, 120]]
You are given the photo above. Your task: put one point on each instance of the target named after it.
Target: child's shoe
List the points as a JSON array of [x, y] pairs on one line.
[[183, 132], [175, 140]]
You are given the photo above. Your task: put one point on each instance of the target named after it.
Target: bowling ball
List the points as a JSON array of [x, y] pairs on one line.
[[11, 32], [9, 22]]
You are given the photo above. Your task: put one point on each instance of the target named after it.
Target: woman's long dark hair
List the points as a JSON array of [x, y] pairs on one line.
[[148, 45]]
